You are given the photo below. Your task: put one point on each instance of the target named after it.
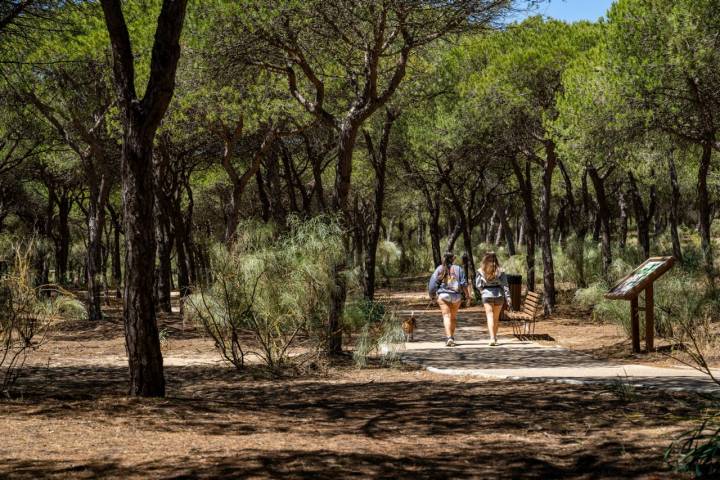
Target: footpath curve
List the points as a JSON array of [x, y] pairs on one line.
[[514, 359]]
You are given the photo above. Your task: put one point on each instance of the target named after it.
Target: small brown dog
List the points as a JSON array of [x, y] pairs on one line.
[[408, 327]]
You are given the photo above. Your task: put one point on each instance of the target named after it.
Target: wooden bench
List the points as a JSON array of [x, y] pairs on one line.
[[523, 322]]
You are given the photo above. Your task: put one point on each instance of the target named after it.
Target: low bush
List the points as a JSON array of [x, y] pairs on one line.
[[362, 312], [270, 293], [697, 451], [388, 265], [681, 301], [591, 296], [27, 312], [381, 334]]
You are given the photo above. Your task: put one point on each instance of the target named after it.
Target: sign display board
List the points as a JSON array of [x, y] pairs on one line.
[[629, 288], [640, 278]]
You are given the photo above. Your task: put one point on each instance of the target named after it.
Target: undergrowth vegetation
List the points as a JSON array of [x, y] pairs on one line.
[[271, 293], [379, 331], [27, 311]]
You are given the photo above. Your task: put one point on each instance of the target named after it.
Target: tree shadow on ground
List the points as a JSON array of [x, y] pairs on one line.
[[504, 426], [462, 464]]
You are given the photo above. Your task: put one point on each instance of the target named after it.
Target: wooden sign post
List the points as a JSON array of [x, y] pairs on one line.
[[629, 288]]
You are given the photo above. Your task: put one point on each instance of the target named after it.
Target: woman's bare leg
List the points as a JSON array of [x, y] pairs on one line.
[[454, 307], [496, 316], [448, 321], [491, 320]]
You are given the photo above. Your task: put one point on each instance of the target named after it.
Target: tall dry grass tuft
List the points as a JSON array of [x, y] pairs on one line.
[[379, 331], [271, 293], [27, 312]]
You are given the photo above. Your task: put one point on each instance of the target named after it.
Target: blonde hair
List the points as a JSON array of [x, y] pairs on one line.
[[490, 266]]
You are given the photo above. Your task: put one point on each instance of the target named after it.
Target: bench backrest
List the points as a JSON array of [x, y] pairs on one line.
[[533, 301]]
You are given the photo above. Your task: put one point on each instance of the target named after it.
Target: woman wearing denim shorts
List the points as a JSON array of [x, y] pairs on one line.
[[448, 282], [493, 285]]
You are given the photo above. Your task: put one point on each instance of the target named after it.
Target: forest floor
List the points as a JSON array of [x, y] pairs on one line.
[[71, 417]]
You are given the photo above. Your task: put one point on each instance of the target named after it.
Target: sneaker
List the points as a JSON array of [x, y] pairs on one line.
[[450, 342], [493, 342]]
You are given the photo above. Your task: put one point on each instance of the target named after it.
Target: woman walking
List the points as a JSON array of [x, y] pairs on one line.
[[493, 286], [448, 282]]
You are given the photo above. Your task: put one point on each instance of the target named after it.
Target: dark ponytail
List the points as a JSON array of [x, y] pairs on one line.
[[448, 259], [446, 264]]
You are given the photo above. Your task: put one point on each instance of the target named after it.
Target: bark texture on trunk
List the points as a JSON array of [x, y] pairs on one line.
[[530, 224], [507, 230], [141, 118], [545, 233], [603, 218], [343, 175], [62, 251], [643, 216], [674, 208], [704, 210], [99, 192], [379, 162]]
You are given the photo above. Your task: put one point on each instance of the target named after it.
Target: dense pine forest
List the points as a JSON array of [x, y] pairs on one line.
[[269, 172]]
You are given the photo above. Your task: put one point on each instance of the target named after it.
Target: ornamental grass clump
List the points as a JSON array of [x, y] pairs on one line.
[[27, 312], [380, 332], [697, 451], [270, 294]]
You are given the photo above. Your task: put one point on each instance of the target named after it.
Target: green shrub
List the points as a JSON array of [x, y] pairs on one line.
[[613, 311], [514, 265], [362, 312], [697, 451], [26, 313], [68, 307], [388, 259], [680, 300], [418, 258], [591, 296], [271, 292], [382, 334]]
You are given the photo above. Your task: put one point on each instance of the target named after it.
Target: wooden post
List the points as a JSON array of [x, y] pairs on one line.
[[635, 325], [649, 319]]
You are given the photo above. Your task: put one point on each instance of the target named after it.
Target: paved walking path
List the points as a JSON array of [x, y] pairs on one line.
[[524, 360]]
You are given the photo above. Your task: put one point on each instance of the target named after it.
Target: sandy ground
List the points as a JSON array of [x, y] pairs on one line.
[[71, 418]]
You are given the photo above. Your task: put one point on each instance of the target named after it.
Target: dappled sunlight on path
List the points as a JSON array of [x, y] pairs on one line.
[[523, 360]]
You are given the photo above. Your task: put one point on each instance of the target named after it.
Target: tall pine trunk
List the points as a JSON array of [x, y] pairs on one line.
[[99, 191], [379, 162], [116, 266], [434, 227], [622, 203], [507, 229], [603, 218], [704, 209], [140, 119], [343, 174], [63, 242], [165, 240], [674, 208], [530, 223], [643, 215], [141, 332], [545, 233]]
